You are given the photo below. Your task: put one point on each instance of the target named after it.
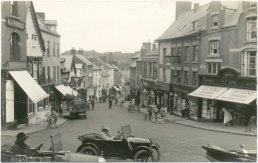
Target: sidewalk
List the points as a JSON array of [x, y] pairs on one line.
[[29, 129], [211, 126]]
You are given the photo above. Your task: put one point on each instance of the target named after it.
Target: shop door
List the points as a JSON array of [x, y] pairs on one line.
[[9, 101], [220, 115], [20, 105]]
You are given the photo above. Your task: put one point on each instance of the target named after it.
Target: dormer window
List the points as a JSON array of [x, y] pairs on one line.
[[251, 28], [214, 21], [14, 8], [193, 26]]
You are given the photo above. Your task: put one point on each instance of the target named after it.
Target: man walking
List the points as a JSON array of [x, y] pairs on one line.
[[92, 103], [110, 103]]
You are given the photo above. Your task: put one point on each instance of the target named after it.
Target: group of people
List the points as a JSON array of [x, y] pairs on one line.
[[51, 119], [152, 113]]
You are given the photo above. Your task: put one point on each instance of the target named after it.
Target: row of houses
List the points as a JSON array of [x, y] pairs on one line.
[[90, 75], [30, 66], [205, 60]]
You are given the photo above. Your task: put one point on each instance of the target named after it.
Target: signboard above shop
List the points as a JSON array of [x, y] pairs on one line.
[[12, 22]]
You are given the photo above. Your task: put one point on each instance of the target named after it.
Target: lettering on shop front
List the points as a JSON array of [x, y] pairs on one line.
[[15, 23], [229, 82]]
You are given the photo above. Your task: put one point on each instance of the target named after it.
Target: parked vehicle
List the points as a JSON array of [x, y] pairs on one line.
[[76, 107], [218, 154], [123, 146], [55, 154]]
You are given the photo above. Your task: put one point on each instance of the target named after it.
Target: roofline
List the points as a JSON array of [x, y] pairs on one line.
[[55, 34], [34, 16], [188, 35]]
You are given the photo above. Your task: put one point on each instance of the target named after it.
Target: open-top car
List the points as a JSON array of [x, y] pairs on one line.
[[55, 154], [123, 146]]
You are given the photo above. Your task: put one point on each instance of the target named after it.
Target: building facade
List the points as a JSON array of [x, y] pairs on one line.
[[212, 47]]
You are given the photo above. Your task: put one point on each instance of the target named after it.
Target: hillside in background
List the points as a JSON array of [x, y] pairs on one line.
[[121, 60]]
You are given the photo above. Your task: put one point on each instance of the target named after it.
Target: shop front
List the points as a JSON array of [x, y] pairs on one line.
[[164, 93], [149, 93], [183, 105], [226, 90]]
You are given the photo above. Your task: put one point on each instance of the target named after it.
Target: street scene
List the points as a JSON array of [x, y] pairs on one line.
[[133, 81]]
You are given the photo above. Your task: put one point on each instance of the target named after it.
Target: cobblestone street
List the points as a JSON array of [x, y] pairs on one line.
[[178, 142]]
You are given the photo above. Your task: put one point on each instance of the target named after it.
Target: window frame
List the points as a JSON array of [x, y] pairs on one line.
[[186, 77], [14, 8], [214, 67], [250, 30], [195, 53], [186, 54], [245, 63], [15, 47], [212, 44], [215, 19], [164, 75]]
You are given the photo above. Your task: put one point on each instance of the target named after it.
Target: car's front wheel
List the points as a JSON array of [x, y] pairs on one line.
[[88, 150], [143, 156]]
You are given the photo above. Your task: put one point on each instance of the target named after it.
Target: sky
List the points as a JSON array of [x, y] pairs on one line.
[[109, 25]]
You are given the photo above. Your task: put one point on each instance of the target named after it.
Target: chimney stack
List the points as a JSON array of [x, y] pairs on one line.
[[196, 7], [41, 15], [182, 7]]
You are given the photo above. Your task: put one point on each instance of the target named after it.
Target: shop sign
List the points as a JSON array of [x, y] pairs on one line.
[[164, 66], [163, 86], [11, 22], [236, 83], [148, 84]]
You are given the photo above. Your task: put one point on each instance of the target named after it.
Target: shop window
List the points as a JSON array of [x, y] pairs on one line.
[[14, 8], [194, 78], [48, 74], [251, 28], [35, 70], [248, 63], [214, 21], [164, 75], [186, 78], [41, 104], [173, 52], [31, 108], [213, 67], [214, 47], [15, 47], [195, 53], [186, 57]]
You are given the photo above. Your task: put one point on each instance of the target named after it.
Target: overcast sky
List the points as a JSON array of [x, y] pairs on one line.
[[108, 25]]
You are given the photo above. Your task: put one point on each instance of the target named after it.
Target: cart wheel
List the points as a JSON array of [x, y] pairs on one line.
[[89, 150]]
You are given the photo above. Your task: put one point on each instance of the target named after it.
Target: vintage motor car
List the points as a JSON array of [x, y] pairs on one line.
[[123, 146], [55, 154], [218, 154], [76, 107]]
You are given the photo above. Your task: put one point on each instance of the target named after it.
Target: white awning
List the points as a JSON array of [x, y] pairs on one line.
[[70, 91], [242, 96], [29, 85], [210, 92], [61, 89], [117, 89]]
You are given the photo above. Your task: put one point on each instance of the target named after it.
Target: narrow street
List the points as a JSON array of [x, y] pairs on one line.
[[178, 143]]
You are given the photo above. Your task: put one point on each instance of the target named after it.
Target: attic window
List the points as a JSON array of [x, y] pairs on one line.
[[214, 21], [193, 26]]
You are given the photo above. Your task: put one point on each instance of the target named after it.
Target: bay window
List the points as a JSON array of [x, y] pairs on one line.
[[213, 67]]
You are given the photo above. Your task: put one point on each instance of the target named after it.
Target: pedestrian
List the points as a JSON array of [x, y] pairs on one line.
[[110, 103], [92, 103], [54, 118], [187, 109], [154, 113], [20, 147], [100, 99], [227, 117]]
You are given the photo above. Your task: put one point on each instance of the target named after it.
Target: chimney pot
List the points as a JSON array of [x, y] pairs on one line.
[[196, 6]]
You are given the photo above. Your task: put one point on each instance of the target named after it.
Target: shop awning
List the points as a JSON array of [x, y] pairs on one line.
[[242, 96], [117, 89], [29, 85], [61, 88], [210, 92], [70, 91]]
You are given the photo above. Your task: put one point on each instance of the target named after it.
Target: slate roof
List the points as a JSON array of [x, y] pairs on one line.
[[83, 59], [44, 27], [182, 26], [68, 61]]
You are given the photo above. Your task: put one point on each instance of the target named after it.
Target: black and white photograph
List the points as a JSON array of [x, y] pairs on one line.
[[129, 81]]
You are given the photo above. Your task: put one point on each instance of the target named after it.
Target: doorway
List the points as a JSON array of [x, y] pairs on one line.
[[20, 105]]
